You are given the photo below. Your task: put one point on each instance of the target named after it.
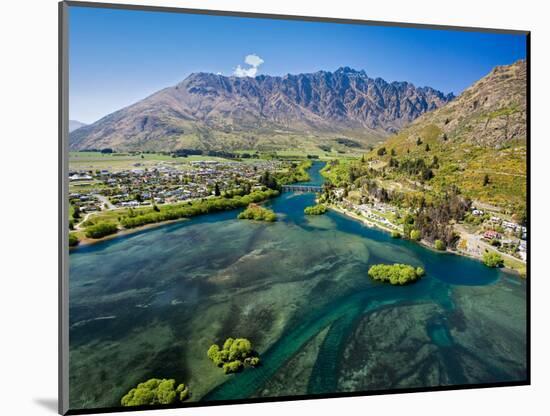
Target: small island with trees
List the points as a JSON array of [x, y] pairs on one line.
[[156, 392], [395, 274], [258, 213], [235, 354], [318, 209]]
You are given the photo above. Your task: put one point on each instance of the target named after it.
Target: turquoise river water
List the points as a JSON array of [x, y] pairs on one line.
[[150, 304]]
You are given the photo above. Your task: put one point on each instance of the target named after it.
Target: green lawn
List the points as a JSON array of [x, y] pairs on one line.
[[125, 161]]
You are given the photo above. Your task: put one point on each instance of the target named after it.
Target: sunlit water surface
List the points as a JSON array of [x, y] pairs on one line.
[[151, 303]]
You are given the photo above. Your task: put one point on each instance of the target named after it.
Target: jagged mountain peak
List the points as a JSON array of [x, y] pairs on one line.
[[205, 104]]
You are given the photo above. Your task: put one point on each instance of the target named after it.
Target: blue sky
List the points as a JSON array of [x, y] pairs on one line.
[[117, 57]]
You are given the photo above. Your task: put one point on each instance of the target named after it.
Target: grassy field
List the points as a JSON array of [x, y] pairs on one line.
[[91, 161], [126, 161], [464, 165]]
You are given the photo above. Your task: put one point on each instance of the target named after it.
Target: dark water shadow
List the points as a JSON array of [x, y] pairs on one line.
[[48, 404]]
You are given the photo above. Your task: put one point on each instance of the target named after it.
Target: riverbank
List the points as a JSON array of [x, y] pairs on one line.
[[135, 222], [293, 280], [85, 241], [357, 217], [512, 265]]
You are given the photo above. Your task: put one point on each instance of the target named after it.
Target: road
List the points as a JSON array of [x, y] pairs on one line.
[[476, 246], [105, 201]]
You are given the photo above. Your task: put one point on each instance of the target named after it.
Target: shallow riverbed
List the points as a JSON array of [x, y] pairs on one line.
[[151, 303]]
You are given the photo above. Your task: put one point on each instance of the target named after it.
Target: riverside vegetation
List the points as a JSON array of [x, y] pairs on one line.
[[318, 209], [493, 259], [134, 218]]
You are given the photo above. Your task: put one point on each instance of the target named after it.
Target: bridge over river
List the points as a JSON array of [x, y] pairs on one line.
[[302, 188]]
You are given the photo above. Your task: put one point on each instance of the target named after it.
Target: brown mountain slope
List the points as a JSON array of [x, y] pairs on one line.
[[213, 111], [478, 140]]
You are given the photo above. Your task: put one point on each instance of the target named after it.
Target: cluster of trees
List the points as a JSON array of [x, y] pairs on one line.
[[154, 392], [216, 153], [234, 355], [73, 240], [476, 219], [296, 173], [186, 152], [243, 190], [356, 171], [492, 259], [105, 150], [76, 212], [269, 181], [378, 192], [434, 221], [101, 229], [195, 208], [440, 245], [416, 167], [318, 209], [258, 213], [396, 274], [520, 215], [347, 142], [415, 235]]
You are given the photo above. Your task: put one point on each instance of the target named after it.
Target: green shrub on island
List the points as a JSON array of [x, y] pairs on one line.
[[258, 213], [439, 245], [395, 234], [100, 230], [415, 235], [491, 259], [234, 355], [232, 366], [73, 240], [252, 361], [396, 274], [318, 209], [195, 208], [154, 392]]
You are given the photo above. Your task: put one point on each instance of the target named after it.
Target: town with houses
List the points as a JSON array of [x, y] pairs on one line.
[[492, 231], [162, 184], [166, 183]]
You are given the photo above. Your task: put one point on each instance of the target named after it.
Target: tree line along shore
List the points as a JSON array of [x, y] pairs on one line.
[[441, 220]]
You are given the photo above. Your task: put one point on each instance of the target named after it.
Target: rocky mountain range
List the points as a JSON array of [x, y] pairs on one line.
[[215, 111]]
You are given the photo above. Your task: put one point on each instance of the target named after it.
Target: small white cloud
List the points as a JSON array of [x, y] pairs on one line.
[[254, 61]]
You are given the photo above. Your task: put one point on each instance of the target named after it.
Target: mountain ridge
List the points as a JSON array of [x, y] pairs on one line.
[[75, 124], [477, 142], [205, 106]]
